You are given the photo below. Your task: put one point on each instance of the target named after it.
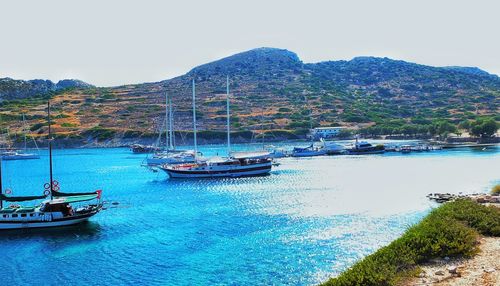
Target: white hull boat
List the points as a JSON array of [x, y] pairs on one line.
[[53, 212], [239, 164], [310, 151], [217, 169], [13, 155], [37, 218], [171, 157]]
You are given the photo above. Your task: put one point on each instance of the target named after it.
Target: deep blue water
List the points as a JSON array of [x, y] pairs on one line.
[[309, 220]]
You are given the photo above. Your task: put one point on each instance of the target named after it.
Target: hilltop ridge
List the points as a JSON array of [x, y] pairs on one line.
[[271, 90], [18, 89]]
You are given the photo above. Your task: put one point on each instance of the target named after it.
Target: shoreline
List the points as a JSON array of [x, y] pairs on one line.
[[70, 143]]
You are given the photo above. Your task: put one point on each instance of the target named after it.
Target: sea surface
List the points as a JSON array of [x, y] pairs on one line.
[[310, 219]]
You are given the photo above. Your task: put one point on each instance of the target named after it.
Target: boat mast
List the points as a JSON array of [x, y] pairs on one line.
[[24, 131], [1, 185], [194, 121], [50, 151], [171, 121], [228, 127], [166, 120]]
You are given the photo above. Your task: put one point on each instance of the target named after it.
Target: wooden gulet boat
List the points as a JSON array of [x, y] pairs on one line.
[[231, 166], [57, 210]]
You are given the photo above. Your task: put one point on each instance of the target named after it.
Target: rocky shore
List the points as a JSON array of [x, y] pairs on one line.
[[481, 270]]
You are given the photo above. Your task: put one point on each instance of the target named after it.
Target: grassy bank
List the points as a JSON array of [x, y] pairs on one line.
[[449, 230]]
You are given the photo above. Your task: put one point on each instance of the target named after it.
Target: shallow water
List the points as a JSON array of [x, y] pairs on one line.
[[308, 220]]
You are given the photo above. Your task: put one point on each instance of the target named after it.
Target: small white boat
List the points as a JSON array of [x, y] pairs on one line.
[[332, 148], [12, 154], [405, 149], [172, 157], [15, 155], [310, 151], [276, 153], [142, 149]]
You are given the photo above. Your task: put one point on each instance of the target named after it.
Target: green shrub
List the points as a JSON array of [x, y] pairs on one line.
[[495, 190], [69, 125], [449, 230], [101, 133], [37, 126]]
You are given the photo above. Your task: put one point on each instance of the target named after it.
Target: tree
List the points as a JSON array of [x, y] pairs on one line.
[[484, 127], [465, 125]]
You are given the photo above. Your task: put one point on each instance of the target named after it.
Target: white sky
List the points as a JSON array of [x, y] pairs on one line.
[[113, 42]]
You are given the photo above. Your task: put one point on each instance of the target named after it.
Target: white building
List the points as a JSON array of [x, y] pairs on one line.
[[325, 132]]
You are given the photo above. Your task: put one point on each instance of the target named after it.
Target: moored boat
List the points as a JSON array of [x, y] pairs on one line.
[[170, 155], [234, 165], [364, 148], [54, 212], [16, 155], [143, 149], [331, 147], [220, 167], [405, 149], [13, 154], [57, 210], [309, 151]]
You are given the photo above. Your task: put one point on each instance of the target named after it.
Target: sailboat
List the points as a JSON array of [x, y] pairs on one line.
[[12, 154], [56, 211], [170, 155], [214, 167]]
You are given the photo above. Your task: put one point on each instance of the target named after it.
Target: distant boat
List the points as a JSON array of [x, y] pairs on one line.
[[53, 212], [363, 147], [252, 154], [309, 151], [143, 149], [277, 153], [13, 154], [231, 166], [405, 149], [170, 155], [332, 148]]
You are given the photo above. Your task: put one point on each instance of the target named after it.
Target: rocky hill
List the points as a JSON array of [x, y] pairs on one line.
[[19, 89], [271, 90]]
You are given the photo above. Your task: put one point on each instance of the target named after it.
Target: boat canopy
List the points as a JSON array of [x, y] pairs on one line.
[[61, 194], [20, 199], [301, 149], [73, 199], [251, 155]]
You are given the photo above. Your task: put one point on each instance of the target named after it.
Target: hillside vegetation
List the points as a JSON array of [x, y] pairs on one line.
[[271, 90]]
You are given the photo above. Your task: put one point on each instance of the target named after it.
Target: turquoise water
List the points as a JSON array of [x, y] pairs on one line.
[[309, 220]]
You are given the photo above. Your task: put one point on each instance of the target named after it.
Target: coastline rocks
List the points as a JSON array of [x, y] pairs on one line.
[[439, 272], [479, 198], [452, 269]]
